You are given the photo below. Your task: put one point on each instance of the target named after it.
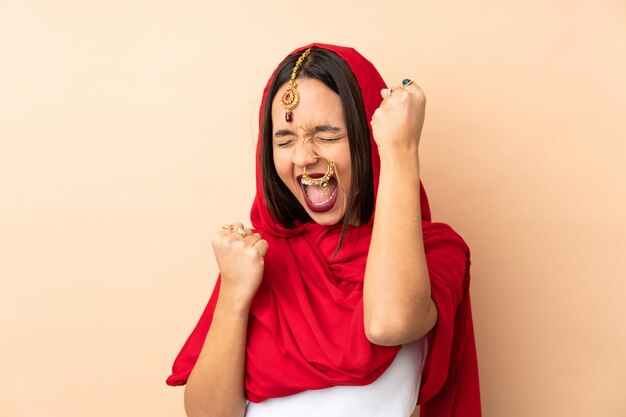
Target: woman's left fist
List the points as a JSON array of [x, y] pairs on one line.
[[397, 123]]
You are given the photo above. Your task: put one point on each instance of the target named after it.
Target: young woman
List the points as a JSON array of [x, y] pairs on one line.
[[343, 298]]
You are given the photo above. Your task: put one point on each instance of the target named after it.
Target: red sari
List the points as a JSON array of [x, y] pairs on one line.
[[306, 328]]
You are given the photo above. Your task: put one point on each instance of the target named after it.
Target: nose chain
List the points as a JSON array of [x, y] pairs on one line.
[[323, 181]]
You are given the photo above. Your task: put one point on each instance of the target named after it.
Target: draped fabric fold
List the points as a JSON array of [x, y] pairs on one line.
[[306, 321]]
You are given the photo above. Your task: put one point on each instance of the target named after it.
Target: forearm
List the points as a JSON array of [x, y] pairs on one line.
[[215, 387], [396, 295]]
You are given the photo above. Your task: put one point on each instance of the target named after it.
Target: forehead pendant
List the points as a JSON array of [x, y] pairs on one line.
[[291, 97]]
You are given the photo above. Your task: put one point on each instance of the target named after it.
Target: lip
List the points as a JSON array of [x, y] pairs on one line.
[[322, 208]]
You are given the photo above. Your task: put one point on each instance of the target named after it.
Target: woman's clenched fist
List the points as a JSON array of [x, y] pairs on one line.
[[397, 123], [240, 255]]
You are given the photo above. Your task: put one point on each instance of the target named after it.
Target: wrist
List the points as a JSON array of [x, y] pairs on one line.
[[399, 149], [404, 164], [394, 154], [233, 302]]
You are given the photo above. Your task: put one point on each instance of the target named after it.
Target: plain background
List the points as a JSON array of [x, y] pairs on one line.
[[127, 132]]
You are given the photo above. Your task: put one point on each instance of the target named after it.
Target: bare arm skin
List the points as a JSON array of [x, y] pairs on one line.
[[216, 384], [396, 295], [215, 387]]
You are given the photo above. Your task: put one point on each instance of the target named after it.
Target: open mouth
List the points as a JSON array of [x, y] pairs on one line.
[[317, 198]]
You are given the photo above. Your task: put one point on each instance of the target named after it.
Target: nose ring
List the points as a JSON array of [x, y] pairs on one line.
[[323, 181]]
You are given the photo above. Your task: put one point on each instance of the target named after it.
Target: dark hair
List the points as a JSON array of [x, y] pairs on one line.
[[329, 68]]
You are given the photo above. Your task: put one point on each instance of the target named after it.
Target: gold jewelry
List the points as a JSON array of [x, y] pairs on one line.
[[406, 82], [323, 181], [228, 226], [291, 97], [389, 92], [243, 232]]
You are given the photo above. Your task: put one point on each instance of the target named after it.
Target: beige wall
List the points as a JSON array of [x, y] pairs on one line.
[[126, 139]]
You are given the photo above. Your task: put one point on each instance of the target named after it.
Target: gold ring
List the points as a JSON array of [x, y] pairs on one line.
[[242, 231], [228, 226], [389, 92], [330, 171], [406, 82]]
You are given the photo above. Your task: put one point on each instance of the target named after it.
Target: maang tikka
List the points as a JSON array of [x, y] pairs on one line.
[[291, 97]]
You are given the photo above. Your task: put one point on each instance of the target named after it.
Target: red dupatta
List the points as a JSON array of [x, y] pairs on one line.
[[306, 321]]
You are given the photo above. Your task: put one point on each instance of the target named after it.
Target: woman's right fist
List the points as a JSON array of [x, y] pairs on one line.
[[240, 255]]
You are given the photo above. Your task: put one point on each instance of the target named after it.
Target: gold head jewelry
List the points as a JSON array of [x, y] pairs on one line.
[[291, 97], [323, 181]]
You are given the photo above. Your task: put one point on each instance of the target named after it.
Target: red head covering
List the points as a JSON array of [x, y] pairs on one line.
[[306, 319]]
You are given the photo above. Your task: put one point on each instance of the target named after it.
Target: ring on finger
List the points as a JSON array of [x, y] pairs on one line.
[[389, 92], [228, 227], [406, 82], [243, 232]]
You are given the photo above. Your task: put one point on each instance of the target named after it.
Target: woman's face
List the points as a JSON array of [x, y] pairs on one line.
[[318, 129]]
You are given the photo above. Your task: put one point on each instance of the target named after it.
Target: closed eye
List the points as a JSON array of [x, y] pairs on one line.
[[331, 139], [286, 143]]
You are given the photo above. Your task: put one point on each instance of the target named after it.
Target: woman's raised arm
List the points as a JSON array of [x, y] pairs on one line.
[[396, 293], [215, 387]]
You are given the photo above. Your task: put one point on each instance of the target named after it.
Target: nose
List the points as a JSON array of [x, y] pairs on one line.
[[303, 154]]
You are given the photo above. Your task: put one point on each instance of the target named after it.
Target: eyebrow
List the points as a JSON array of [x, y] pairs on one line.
[[318, 129]]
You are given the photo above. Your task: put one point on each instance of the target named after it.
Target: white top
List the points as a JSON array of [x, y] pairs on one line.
[[393, 394]]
